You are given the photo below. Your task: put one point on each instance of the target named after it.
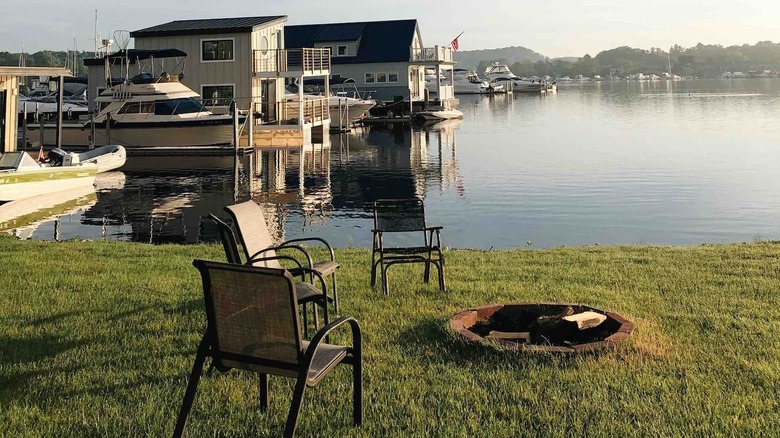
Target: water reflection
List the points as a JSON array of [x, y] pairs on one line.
[[614, 162]]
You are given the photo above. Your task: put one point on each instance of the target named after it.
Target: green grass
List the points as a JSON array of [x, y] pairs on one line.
[[97, 339]]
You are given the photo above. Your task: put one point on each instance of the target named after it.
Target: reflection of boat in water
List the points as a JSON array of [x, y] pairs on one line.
[[149, 111], [23, 215], [21, 176]]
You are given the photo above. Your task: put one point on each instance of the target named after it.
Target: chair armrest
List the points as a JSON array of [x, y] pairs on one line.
[[357, 337], [303, 270], [280, 247], [434, 228], [317, 239], [252, 260]]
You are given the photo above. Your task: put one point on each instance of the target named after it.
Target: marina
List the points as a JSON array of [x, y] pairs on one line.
[[603, 162]]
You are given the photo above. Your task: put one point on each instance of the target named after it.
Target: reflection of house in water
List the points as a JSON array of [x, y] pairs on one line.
[[392, 162]]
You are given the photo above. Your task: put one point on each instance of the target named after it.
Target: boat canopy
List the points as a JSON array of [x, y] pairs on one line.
[[136, 55]]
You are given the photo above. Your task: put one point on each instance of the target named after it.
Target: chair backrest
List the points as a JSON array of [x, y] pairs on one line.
[[399, 215], [253, 232], [252, 317], [228, 239]]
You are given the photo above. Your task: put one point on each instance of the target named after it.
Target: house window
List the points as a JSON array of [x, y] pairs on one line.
[[341, 51], [217, 50], [381, 77], [263, 45], [392, 77], [217, 95], [370, 78]]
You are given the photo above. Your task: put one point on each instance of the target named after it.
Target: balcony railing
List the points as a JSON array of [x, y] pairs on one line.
[[431, 54], [312, 61]]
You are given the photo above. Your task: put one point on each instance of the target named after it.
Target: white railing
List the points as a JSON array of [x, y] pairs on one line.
[[315, 109], [431, 54], [313, 61]]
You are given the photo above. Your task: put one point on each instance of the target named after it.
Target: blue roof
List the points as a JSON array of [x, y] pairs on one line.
[[210, 26], [380, 41]]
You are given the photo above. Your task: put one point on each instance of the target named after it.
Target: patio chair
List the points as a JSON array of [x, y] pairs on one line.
[[307, 292], [253, 325], [260, 249], [404, 216]]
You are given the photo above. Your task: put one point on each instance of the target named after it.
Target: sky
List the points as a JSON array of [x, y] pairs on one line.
[[554, 29]]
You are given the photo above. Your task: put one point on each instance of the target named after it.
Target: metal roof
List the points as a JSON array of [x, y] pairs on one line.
[[206, 26], [339, 32], [380, 41]]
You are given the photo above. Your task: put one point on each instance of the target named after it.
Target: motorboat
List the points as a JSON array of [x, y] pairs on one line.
[[148, 110], [346, 104], [106, 158], [500, 74], [467, 82], [437, 113], [22, 176]]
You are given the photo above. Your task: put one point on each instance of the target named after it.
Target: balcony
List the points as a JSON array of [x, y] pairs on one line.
[[436, 54], [291, 63]]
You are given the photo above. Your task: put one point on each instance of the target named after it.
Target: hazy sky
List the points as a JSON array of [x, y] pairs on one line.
[[552, 28]]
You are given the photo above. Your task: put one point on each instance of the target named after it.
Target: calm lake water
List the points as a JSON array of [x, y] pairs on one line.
[[613, 162]]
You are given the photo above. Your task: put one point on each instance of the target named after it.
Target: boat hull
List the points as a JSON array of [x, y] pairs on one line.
[[20, 185], [354, 111], [139, 135]]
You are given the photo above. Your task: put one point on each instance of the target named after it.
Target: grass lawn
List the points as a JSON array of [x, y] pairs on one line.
[[97, 339]]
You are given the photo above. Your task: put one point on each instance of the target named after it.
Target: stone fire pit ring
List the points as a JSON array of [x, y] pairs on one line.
[[615, 327]]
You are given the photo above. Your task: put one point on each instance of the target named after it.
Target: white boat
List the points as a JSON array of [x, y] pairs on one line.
[[346, 105], [500, 74], [106, 158], [466, 82], [434, 114], [21, 176], [148, 111]]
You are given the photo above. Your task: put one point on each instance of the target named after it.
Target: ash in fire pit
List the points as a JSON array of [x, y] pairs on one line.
[[543, 327]]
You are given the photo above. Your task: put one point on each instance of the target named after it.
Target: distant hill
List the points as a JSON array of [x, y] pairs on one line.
[[566, 59], [510, 55]]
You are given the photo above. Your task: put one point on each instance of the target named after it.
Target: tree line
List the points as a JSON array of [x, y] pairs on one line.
[[48, 58], [704, 61]]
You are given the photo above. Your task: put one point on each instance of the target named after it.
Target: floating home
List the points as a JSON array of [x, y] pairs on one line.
[[386, 58]]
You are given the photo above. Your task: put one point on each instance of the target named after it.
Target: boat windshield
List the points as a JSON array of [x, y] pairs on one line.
[[172, 107]]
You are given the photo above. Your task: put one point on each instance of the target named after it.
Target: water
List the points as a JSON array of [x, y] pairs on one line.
[[613, 162]]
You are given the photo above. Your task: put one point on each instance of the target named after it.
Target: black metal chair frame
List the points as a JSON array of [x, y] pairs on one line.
[[230, 245], [209, 347], [293, 244], [430, 253]]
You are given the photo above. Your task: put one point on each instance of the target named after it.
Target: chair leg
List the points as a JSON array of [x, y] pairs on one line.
[[192, 386], [305, 322], [441, 273], [263, 391], [373, 270], [335, 294], [357, 394], [295, 408], [385, 281]]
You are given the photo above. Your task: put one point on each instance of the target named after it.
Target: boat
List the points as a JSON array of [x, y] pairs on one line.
[[148, 111], [437, 113], [500, 74], [346, 104], [106, 158], [21, 176], [467, 82]]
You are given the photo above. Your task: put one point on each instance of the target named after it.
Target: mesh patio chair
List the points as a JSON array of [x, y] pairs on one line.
[[253, 325], [259, 246], [404, 216], [307, 292]]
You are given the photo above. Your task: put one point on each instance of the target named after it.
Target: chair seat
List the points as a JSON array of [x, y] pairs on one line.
[[308, 292], [325, 268], [326, 358]]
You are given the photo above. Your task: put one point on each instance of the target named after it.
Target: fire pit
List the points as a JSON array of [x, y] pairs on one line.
[[543, 327]]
